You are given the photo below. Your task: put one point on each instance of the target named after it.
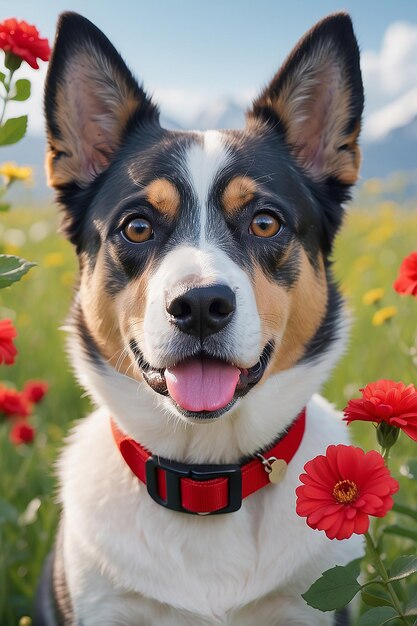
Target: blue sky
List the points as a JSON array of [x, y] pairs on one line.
[[191, 53]]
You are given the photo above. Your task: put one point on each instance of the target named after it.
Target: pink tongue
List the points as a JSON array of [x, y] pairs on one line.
[[202, 384]]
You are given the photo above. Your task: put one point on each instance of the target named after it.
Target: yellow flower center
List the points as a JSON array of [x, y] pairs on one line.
[[345, 491]]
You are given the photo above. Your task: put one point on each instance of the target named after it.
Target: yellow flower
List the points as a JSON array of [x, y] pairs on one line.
[[10, 248], [384, 315], [11, 172], [53, 259], [67, 279], [382, 233], [25, 621], [373, 186], [373, 296], [364, 262]]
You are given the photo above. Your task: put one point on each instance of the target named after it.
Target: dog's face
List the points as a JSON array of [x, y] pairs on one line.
[[204, 256]]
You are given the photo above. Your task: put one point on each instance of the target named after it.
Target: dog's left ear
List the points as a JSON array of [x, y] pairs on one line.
[[316, 100], [91, 102]]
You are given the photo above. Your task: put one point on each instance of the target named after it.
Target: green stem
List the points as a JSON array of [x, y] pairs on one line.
[[380, 567], [404, 510], [385, 454], [6, 97]]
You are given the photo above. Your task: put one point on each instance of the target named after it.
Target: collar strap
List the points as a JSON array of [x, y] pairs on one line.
[[208, 489]]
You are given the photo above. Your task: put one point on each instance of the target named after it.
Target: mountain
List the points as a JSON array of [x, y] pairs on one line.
[[221, 114], [390, 138], [394, 152]]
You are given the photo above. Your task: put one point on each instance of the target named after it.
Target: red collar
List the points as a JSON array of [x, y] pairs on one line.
[[208, 489]]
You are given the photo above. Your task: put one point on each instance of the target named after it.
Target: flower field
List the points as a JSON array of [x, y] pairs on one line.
[[368, 255]]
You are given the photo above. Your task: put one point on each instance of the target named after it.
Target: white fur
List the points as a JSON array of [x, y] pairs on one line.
[[204, 162], [129, 561]]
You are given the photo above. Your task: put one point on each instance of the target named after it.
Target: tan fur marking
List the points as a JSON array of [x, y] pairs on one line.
[[112, 322], [291, 317], [164, 196], [238, 192], [314, 104], [93, 106]]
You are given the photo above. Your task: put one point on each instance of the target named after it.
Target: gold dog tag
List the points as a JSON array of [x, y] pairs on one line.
[[278, 471]]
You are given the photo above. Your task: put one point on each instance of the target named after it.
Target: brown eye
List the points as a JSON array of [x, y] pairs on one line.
[[138, 230], [264, 225]]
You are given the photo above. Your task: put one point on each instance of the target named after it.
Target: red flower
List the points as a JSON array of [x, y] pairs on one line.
[[35, 390], [386, 401], [7, 349], [14, 403], [406, 282], [22, 39], [342, 489], [22, 433]]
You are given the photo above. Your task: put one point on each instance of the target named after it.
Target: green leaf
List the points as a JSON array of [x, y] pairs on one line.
[[4, 206], [13, 130], [378, 616], [12, 268], [2, 77], [403, 567], [7, 512], [334, 589], [355, 567], [22, 89], [12, 61], [411, 608], [375, 598], [396, 529]]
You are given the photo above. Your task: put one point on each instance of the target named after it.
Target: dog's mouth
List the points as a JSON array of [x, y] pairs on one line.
[[202, 386]]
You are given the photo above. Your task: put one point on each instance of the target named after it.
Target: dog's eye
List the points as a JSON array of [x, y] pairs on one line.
[[264, 225], [138, 230]]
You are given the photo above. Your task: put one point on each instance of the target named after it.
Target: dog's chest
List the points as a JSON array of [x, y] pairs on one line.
[[205, 565]]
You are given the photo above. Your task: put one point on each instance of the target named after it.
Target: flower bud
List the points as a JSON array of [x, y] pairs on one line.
[[387, 435], [12, 61]]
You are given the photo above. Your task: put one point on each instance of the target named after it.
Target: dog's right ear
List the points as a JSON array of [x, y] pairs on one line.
[[91, 101]]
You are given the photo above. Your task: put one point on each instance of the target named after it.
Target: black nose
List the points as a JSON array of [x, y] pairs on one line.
[[202, 311]]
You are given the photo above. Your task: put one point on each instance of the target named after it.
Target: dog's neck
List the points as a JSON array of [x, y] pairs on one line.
[[254, 423]]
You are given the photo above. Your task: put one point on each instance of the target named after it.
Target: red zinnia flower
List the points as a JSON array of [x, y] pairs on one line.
[[22, 433], [14, 403], [342, 489], [406, 282], [7, 349], [22, 39], [386, 401], [35, 390]]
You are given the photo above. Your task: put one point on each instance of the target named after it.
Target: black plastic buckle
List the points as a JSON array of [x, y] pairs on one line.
[[175, 471]]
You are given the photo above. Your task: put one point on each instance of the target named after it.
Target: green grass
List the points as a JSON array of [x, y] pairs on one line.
[[368, 254]]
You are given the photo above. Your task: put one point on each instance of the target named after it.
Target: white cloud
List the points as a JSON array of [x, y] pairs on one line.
[[394, 115], [179, 104], [393, 69]]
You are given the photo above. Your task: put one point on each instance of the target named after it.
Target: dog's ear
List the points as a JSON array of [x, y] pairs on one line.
[[91, 101], [316, 100]]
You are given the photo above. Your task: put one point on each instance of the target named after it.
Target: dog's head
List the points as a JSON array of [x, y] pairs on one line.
[[204, 257]]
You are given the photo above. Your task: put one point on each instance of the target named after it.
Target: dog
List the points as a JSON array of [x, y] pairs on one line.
[[204, 323]]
